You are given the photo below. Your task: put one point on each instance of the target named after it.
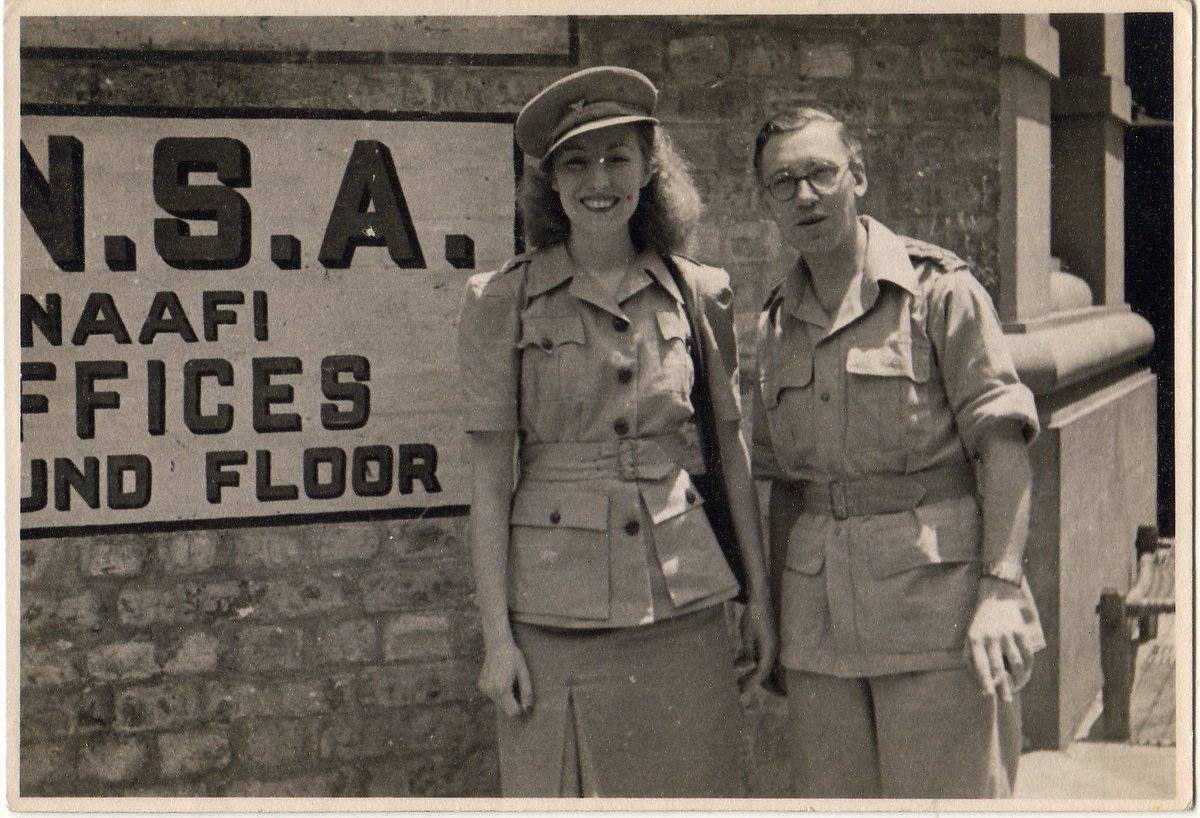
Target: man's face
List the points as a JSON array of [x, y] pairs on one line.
[[819, 220]]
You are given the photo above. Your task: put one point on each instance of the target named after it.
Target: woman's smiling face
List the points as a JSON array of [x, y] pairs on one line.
[[599, 176]]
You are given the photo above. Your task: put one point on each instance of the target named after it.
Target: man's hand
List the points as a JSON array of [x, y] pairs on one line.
[[996, 639]]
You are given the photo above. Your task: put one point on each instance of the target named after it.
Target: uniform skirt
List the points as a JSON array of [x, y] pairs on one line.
[[646, 712]]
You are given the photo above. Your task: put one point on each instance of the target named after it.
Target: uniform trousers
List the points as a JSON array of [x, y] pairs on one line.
[[930, 734]]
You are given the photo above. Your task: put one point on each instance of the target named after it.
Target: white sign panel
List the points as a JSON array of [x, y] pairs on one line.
[[233, 318]]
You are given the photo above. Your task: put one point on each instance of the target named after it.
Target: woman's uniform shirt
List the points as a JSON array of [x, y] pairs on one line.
[[606, 527], [908, 376]]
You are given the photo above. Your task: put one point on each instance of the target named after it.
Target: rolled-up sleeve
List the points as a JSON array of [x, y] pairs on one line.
[[487, 350], [721, 354], [980, 378]]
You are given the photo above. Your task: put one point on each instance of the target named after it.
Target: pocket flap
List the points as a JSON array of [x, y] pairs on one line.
[[805, 554], [793, 372], [548, 331], [560, 509], [898, 359], [671, 497], [918, 545], [672, 325]]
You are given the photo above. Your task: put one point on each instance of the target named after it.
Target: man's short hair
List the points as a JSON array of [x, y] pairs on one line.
[[797, 118]]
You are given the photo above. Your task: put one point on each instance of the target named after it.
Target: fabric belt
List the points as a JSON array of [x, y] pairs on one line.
[[643, 458], [888, 494]]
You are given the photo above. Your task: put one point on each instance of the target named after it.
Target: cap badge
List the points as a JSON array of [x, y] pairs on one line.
[[578, 105]]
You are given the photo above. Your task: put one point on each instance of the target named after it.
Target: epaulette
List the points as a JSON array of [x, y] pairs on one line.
[[515, 262], [942, 258]]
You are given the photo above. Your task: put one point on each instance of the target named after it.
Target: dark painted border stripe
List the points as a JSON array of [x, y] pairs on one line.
[[247, 112], [407, 513], [292, 56]]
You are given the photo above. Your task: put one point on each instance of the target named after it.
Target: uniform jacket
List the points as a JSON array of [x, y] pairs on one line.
[[607, 529], [907, 376]]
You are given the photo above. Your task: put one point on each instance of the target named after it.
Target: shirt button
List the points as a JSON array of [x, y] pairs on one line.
[[690, 496], [546, 343], [555, 517], [621, 426], [625, 375], [632, 527], [824, 397], [620, 324]]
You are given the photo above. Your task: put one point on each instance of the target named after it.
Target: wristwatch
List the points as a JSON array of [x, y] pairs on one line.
[[1009, 572]]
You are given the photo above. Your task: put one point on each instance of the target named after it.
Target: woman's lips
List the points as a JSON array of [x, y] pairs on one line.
[[599, 203]]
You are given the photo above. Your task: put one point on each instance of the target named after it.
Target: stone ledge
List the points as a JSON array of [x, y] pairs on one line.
[[1087, 343], [1029, 39], [1094, 95]]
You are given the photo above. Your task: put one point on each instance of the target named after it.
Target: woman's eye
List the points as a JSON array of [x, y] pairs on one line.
[[574, 164], [617, 160]]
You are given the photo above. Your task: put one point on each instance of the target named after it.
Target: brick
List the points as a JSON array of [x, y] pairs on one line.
[[958, 65], [46, 561], [43, 613], [44, 763], [274, 742], [427, 585], [699, 57], [354, 641], [274, 600], [53, 665], [643, 54], [437, 775], [421, 728], [416, 636], [413, 538], [262, 648], [399, 685], [197, 652], [215, 601], [275, 698], [466, 635], [270, 548], [347, 543], [112, 760], [119, 557], [181, 755], [123, 661], [188, 552], [824, 61], [140, 607], [347, 738], [159, 707], [337, 784]]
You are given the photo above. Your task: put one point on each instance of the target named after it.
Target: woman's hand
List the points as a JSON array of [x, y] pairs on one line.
[[505, 679], [760, 645], [996, 640]]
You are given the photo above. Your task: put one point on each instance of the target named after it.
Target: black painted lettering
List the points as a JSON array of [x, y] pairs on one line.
[[157, 319], [364, 461], [100, 316], [265, 394], [156, 397], [194, 371], [137, 465], [33, 403], [47, 319], [417, 461], [175, 159], [260, 315], [214, 316], [38, 487], [359, 394], [335, 459], [88, 400], [86, 483], [370, 180], [217, 476], [264, 489], [54, 206]]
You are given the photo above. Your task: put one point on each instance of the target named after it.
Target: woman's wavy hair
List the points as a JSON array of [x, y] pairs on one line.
[[667, 210]]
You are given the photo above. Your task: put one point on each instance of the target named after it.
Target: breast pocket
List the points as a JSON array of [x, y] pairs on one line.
[[885, 393], [558, 554], [552, 355], [674, 351], [787, 390]]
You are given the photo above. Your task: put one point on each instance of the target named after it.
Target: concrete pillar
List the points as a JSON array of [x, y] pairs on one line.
[[1090, 107]]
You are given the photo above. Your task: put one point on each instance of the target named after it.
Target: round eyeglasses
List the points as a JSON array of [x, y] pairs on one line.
[[823, 180]]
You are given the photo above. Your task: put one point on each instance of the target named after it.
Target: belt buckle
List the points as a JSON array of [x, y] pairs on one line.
[[627, 460], [837, 500]]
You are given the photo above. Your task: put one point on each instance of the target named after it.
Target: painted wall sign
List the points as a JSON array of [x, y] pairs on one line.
[[251, 317]]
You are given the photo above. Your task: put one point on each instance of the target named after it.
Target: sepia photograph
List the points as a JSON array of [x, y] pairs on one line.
[[742, 407]]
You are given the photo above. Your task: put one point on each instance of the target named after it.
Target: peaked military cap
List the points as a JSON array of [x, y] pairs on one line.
[[587, 100]]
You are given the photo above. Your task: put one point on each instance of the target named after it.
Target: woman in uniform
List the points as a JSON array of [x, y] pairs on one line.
[[888, 414], [599, 579]]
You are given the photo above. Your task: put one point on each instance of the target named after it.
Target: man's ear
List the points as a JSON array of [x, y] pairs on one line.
[[860, 181]]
